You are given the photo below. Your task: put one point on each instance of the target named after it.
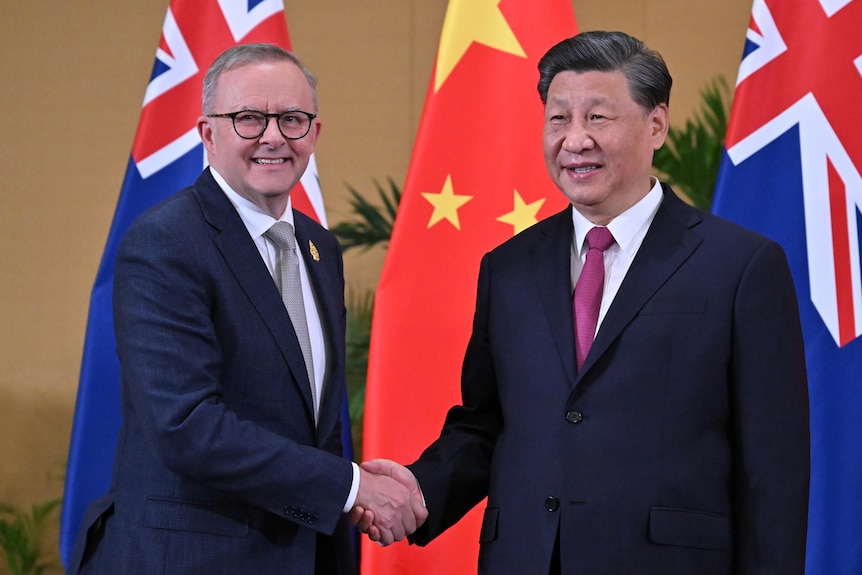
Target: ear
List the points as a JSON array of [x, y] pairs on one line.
[[659, 124], [316, 126], [205, 130]]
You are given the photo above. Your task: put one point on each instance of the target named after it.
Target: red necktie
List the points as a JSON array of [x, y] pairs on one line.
[[588, 292]]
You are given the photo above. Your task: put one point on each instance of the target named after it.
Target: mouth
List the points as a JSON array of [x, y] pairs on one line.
[[583, 169], [268, 161]]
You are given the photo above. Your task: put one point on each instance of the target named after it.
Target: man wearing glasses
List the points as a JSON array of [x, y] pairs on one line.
[[229, 315]]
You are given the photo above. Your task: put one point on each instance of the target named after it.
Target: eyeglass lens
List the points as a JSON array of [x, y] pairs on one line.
[[251, 124]]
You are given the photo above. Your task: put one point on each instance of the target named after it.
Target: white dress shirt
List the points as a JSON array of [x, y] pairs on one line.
[[629, 229]]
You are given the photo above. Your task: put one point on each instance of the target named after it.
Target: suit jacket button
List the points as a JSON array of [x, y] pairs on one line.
[[574, 416], [289, 510], [552, 504]]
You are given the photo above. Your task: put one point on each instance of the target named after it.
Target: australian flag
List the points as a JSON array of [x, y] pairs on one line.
[[792, 172], [167, 155]]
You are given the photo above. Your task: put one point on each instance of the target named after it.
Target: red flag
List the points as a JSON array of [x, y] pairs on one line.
[[477, 178]]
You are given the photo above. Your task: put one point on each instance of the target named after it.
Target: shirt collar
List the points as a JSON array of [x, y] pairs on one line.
[[626, 226], [256, 220]]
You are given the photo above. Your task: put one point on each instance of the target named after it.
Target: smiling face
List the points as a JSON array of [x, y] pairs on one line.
[[599, 143], [265, 169]]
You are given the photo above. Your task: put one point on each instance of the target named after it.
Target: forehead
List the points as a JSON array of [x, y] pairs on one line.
[[569, 87], [275, 83]]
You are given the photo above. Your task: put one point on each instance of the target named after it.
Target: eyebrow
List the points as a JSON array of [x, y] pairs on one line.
[[591, 102]]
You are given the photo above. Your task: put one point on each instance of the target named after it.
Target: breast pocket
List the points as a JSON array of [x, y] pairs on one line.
[[682, 305]]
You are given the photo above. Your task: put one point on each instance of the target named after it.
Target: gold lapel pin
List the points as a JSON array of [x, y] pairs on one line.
[[315, 255]]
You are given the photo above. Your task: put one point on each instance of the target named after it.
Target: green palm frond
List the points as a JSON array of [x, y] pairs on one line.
[[360, 309], [373, 224], [21, 538], [690, 158]]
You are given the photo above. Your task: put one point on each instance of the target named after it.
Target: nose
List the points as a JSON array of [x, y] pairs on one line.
[[271, 134], [578, 138]]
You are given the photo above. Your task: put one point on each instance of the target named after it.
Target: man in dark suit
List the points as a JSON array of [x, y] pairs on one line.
[[676, 441], [229, 457]]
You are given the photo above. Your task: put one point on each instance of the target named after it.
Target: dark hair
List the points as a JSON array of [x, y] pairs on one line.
[[648, 78], [244, 55]]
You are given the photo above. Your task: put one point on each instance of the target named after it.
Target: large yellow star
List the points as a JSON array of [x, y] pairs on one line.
[[524, 215], [469, 21], [446, 204]]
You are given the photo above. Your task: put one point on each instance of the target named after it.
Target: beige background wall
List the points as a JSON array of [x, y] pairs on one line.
[[72, 78]]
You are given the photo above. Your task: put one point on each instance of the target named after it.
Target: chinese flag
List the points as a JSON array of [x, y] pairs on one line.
[[477, 177]]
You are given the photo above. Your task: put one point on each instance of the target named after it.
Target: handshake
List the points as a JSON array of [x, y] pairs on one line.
[[389, 505]]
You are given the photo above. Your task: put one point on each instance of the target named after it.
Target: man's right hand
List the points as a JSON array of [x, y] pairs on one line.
[[389, 504]]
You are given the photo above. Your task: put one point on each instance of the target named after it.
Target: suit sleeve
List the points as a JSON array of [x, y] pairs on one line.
[[770, 432], [454, 471], [174, 366]]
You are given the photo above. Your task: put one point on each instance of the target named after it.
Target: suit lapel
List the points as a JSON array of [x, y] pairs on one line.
[[550, 258], [323, 270], [667, 245], [243, 259]]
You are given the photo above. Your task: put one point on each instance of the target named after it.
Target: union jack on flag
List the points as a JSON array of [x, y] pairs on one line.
[[792, 172], [167, 155]]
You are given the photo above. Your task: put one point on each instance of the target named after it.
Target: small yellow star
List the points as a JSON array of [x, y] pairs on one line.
[[446, 204], [469, 21], [524, 215]]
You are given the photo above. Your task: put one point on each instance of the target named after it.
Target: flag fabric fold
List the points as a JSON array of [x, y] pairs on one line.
[[792, 172], [166, 156], [477, 177]]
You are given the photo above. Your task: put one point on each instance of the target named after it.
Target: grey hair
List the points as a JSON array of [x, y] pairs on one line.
[[244, 55], [645, 70]]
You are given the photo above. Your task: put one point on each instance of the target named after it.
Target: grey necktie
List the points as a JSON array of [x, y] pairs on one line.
[[281, 234]]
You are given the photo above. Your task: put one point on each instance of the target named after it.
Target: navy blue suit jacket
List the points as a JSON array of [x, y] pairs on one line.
[[219, 467], [682, 444]]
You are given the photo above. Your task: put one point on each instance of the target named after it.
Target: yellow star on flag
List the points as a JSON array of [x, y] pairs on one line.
[[469, 21], [524, 214], [446, 204]]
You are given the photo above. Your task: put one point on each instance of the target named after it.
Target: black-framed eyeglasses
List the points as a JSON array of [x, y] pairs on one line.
[[251, 124]]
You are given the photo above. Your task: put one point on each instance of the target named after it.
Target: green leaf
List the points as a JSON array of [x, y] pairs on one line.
[[360, 309], [690, 158], [372, 224], [21, 537]]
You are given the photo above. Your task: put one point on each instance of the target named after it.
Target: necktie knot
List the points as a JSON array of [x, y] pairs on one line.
[[281, 234], [599, 239]]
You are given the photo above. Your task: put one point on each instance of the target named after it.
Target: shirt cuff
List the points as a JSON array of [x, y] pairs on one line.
[[354, 489]]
